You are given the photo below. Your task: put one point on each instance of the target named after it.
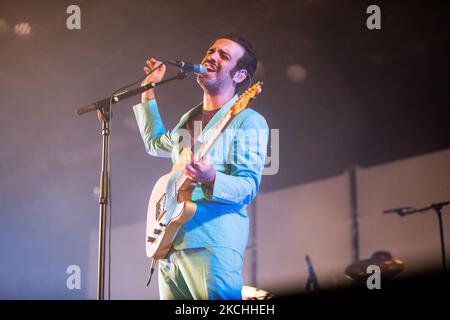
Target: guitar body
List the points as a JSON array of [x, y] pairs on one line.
[[168, 208], [169, 205]]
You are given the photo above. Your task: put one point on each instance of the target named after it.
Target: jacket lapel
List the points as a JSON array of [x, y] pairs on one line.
[[209, 129]]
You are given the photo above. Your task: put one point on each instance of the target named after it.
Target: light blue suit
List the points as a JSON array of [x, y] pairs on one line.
[[220, 223]]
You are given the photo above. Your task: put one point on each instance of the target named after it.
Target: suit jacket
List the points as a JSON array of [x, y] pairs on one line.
[[238, 158]]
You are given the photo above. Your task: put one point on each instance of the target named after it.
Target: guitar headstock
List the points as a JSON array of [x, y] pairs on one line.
[[245, 98]]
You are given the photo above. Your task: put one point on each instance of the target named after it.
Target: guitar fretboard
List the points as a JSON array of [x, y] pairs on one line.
[[239, 105], [206, 145]]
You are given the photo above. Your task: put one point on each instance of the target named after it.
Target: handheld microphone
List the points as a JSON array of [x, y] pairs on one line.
[[189, 67]]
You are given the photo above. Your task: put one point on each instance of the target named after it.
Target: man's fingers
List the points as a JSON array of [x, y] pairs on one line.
[[147, 70], [199, 166], [206, 160], [191, 168], [152, 63], [190, 175]]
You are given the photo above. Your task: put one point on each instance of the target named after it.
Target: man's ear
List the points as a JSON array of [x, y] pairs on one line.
[[240, 76]]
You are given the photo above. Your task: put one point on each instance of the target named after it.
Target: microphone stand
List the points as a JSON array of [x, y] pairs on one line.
[[437, 207], [104, 106], [125, 93]]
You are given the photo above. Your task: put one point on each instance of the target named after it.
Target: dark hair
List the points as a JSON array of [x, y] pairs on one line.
[[248, 61]]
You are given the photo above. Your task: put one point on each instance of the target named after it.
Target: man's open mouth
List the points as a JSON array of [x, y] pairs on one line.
[[210, 68]]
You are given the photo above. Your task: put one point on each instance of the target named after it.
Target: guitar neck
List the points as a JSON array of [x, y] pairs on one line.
[[239, 105], [206, 145]]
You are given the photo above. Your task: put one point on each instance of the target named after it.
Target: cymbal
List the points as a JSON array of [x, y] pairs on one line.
[[388, 267]]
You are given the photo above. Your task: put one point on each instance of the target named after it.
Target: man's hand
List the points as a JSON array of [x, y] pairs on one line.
[[156, 76], [202, 171]]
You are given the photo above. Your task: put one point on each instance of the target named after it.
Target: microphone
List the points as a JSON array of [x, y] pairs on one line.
[[189, 67], [398, 210]]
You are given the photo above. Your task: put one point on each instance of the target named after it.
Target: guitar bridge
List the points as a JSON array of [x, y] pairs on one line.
[[160, 207]]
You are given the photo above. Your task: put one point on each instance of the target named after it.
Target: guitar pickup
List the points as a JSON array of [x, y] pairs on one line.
[[150, 239], [157, 231]]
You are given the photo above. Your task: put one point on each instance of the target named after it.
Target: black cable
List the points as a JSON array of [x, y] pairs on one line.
[[152, 269]]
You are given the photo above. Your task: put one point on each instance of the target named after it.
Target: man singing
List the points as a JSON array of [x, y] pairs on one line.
[[206, 259]]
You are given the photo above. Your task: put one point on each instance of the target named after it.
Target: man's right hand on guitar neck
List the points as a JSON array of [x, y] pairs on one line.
[[156, 76]]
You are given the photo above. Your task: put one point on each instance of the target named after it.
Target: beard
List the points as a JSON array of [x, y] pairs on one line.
[[212, 86]]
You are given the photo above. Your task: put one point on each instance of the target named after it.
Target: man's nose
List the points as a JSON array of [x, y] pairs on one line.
[[212, 57]]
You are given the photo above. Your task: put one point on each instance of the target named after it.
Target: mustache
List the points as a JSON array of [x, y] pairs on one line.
[[211, 63]]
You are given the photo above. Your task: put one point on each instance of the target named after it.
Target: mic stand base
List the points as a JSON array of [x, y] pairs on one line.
[[441, 233]]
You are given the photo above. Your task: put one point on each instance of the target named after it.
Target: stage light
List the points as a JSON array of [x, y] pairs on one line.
[[22, 29], [4, 27], [296, 73], [252, 293], [96, 191]]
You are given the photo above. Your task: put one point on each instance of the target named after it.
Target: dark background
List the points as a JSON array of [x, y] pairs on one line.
[[369, 97]]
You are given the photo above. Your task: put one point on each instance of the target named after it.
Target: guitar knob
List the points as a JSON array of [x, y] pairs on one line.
[[162, 224]]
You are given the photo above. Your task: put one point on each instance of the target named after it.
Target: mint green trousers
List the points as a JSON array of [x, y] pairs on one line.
[[212, 273]]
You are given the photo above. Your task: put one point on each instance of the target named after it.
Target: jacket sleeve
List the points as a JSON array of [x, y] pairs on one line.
[[157, 139], [247, 159]]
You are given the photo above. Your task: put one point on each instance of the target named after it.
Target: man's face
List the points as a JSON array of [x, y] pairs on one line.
[[219, 60]]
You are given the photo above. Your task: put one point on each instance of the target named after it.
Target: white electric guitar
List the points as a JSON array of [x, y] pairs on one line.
[[169, 205]]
